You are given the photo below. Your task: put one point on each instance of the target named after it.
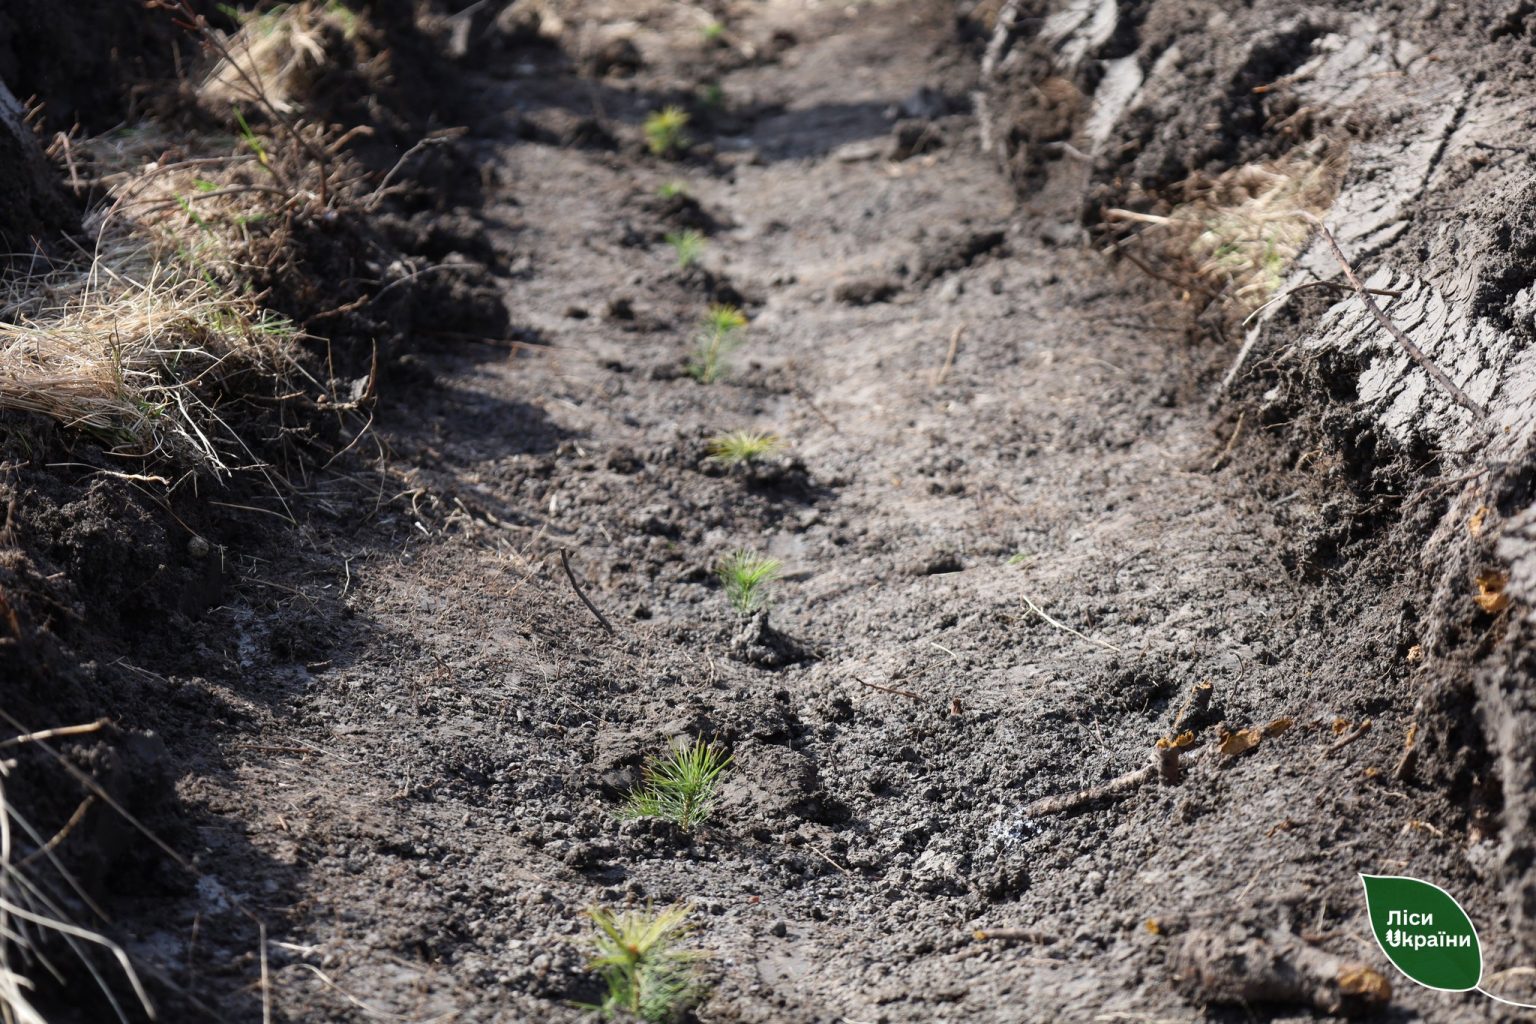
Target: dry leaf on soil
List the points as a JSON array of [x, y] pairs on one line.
[[1234, 743], [1491, 597]]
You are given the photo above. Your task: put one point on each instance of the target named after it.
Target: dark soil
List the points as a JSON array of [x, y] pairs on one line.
[[373, 715]]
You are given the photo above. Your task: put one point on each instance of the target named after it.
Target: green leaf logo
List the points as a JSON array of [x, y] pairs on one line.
[[1424, 932]]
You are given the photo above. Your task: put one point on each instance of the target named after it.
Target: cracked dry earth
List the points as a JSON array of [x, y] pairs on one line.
[[422, 736]]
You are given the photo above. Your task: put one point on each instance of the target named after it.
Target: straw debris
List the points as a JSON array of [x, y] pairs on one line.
[[1232, 238], [147, 334]]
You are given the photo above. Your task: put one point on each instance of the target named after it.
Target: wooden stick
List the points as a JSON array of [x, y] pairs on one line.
[[891, 689], [1118, 786], [949, 358], [1010, 935], [48, 734], [1350, 737], [1164, 765], [565, 562], [1438, 375]]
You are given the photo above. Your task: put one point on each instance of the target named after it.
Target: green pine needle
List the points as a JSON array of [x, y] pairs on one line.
[[742, 446], [680, 786], [746, 578], [719, 336], [688, 245], [666, 131], [647, 972]]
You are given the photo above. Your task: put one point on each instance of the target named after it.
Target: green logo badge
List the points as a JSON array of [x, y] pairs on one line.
[[1424, 932]]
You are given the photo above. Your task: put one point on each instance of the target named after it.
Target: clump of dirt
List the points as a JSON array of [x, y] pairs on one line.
[[87, 70]]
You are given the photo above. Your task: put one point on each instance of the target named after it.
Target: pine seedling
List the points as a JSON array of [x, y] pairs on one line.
[[740, 446], [719, 336], [746, 578], [680, 786], [672, 190], [648, 973], [666, 131], [688, 245]]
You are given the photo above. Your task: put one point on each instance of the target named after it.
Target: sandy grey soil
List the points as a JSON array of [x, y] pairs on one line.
[[1016, 537]]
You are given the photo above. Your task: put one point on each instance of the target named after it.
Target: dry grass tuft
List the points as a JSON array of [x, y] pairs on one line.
[[141, 340], [1233, 238], [279, 54], [29, 914], [145, 339], [136, 347]]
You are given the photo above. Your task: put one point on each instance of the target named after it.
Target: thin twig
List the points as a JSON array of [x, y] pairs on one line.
[[946, 650], [1070, 150], [269, 748], [372, 1011], [565, 563], [1231, 441], [266, 978], [62, 834], [1389, 292], [1438, 375], [1350, 737], [1184, 286], [817, 851], [891, 689], [435, 139], [48, 734], [1066, 628], [1010, 935], [811, 402], [1118, 786], [949, 357]]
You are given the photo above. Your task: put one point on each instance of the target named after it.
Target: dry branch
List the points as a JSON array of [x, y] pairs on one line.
[[1066, 628], [1438, 375], [565, 563], [891, 689], [1164, 765], [1276, 968]]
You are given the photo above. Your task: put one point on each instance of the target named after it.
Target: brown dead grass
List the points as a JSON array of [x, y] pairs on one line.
[[134, 345], [146, 335], [1232, 238], [277, 56], [29, 911]]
